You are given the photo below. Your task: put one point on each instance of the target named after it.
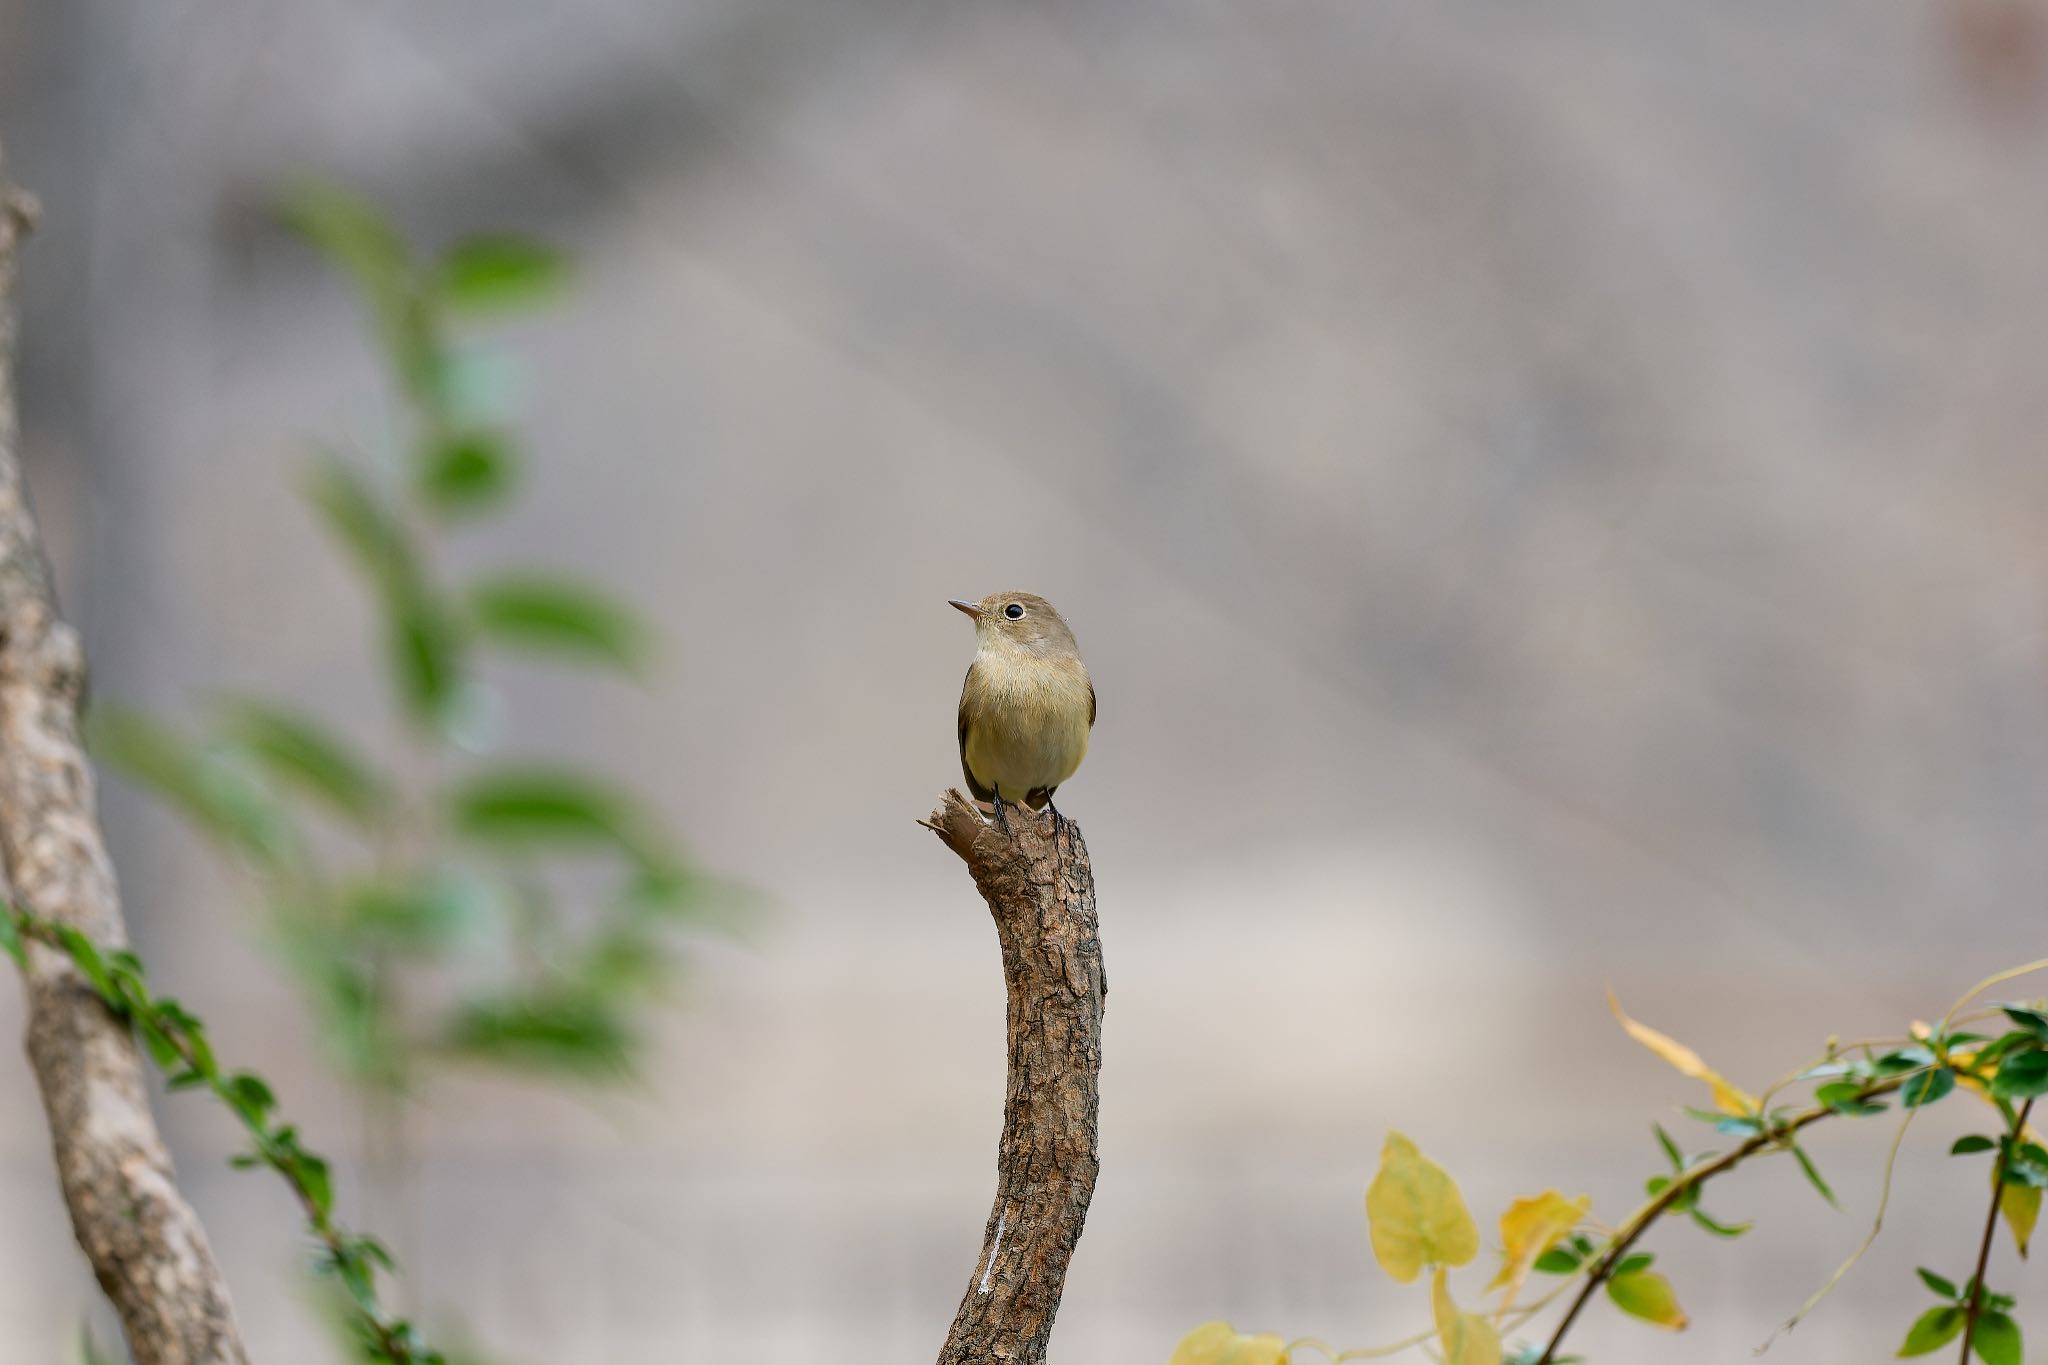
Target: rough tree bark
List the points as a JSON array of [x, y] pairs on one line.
[[144, 1241], [1041, 891]]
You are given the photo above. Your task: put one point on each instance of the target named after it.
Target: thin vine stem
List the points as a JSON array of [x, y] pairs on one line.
[[1513, 1318], [1639, 1223], [1975, 1308]]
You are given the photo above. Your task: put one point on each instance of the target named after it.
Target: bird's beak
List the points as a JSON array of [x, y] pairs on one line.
[[967, 607]]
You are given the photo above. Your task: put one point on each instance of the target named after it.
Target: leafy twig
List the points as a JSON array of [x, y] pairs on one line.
[[177, 1042], [1639, 1223], [1975, 1308]]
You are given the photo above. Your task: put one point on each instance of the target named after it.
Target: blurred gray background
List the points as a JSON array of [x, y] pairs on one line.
[[1550, 495]]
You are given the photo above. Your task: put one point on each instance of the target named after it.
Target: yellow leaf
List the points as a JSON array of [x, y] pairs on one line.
[[1533, 1225], [1415, 1213], [1727, 1097], [1467, 1338], [1218, 1343], [2021, 1205], [1647, 1295]]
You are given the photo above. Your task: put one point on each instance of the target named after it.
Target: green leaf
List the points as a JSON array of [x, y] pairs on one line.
[[424, 635], [495, 273], [85, 955], [426, 660], [1812, 1173], [251, 1097], [199, 1049], [311, 1175], [1647, 1295], [1972, 1142], [1932, 1330], [425, 913], [1943, 1287], [2021, 1075], [1671, 1152], [373, 1252], [1719, 1229], [10, 936], [1634, 1263], [530, 806], [1998, 1340], [1982, 1058], [300, 750], [1559, 1260], [354, 235], [465, 472], [557, 616], [1927, 1087], [162, 1050], [357, 238], [360, 517], [214, 794], [2027, 1017], [546, 1032], [1847, 1098], [1902, 1059]]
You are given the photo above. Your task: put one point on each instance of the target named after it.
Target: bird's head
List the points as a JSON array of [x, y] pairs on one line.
[[1020, 620]]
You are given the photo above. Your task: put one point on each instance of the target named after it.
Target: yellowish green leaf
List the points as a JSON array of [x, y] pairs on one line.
[[1415, 1213], [1932, 1330], [1533, 1224], [1218, 1343], [1728, 1098], [1467, 1338], [1647, 1295], [2021, 1207]]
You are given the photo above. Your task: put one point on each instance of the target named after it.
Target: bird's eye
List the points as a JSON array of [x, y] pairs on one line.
[[1015, 611]]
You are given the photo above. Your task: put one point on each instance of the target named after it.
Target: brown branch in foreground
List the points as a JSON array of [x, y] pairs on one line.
[[1672, 1193], [146, 1245], [1041, 891], [1975, 1308]]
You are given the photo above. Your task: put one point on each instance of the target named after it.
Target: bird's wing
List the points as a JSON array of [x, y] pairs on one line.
[[981, 793], [1091, 704]]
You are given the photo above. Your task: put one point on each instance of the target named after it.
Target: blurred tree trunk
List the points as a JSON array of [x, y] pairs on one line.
[[146, 1245]]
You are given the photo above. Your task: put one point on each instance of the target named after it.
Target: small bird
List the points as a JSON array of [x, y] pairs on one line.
[[1027, 705]]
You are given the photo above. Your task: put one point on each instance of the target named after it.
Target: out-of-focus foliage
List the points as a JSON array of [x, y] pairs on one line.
[[178, 1042], [1418, 1221], [1217, 1343], [415, 893], [419, 891]]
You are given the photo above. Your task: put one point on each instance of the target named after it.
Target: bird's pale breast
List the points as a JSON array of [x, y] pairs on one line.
[[1027, 722]]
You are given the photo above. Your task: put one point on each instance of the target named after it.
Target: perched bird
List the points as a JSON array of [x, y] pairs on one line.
[[1027, 705]]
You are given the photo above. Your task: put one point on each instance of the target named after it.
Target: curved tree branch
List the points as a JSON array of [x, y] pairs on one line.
[[144, 1241], [1041, 891]]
